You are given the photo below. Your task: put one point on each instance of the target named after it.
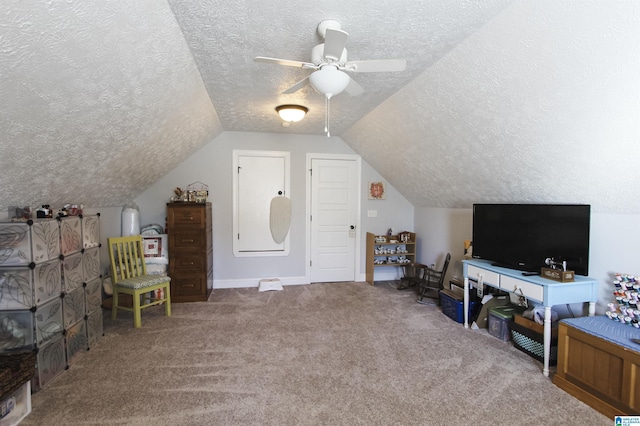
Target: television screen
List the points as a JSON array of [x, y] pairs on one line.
[[523, 236]]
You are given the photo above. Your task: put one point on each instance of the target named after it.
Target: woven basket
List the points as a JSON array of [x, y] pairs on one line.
[[532, 343], [16, 369]]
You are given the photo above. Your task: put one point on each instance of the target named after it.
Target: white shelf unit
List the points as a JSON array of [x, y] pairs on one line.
[[51, 282]]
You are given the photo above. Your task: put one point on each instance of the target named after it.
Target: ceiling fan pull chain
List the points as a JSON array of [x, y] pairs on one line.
[[326, 115]]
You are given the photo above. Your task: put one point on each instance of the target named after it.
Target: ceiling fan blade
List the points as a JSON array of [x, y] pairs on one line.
[[284, 62], [377, 65], [353, 88], [334, 42], [299, 85]]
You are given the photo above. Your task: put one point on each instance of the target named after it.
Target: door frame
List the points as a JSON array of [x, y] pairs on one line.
[[237, 153], [356, 255]]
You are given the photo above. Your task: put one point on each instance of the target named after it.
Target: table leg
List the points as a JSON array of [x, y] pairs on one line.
[[547, 339], [465, 302], [592, 309]]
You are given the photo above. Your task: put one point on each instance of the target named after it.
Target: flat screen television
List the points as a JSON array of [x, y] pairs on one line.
[[523, 236]]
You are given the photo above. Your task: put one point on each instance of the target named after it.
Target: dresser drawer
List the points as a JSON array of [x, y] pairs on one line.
[[529, 290], [187, 239], [487, 277], [193, 215], [185, 262], [188, 285]]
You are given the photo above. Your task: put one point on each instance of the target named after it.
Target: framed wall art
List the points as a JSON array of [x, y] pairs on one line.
[[376, 191]]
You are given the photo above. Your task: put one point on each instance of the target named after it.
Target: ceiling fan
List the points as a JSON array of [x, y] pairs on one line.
[[330, 65]]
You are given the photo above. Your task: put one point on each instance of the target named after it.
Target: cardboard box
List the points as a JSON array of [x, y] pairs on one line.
[[534, 326], [482, 320]]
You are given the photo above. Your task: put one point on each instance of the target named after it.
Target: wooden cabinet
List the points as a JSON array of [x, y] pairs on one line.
[[190, 251], [385, 251], [599, 364]]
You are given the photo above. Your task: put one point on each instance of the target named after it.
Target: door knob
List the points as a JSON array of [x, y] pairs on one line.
[[352, 227]]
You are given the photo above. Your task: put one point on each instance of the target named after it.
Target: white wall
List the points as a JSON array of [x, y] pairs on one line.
[[212, 165], [612, 245], [443, 231]]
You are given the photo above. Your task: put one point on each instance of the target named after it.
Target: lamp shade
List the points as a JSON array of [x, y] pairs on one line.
[[292, 113], [329, 81]]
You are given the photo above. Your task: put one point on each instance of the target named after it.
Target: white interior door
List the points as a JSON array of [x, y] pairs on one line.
[[259, 177], [334, 209]]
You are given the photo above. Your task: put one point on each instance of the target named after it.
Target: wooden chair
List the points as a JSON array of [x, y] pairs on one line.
[[129, 276], [412, 274], [433, 282]]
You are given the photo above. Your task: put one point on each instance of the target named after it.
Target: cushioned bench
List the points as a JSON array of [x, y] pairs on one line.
[[599, 364]]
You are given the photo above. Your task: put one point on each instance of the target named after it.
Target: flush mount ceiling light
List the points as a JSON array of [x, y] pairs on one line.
[[292, 113]]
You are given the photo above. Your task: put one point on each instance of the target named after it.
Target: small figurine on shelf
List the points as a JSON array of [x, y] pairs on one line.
[[381, 239], [44, 212], [404, 237], [19, 214]]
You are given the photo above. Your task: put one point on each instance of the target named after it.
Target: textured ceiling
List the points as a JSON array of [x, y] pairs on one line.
[[95, 96], [502, 100], [226, 36], [542, 112]]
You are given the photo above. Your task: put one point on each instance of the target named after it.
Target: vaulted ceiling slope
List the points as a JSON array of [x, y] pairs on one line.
[[542, 104], [502, 100], [98, 100]]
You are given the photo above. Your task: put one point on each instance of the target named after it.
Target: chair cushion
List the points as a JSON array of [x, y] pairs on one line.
[[142, 281]]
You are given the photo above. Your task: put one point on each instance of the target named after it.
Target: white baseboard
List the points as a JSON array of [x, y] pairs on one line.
[[380, 275], [391, 275], [255, 282]]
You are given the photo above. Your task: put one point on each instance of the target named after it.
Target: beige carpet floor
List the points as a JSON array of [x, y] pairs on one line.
[[319, 354]]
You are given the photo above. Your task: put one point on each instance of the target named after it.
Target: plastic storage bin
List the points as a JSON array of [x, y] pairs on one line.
[[452, 305], [499, 319]]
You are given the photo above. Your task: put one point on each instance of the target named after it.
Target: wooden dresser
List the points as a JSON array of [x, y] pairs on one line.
[[190, 251]]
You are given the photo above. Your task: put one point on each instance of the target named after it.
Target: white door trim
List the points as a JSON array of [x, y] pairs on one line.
[[237, 153], [358, 163]]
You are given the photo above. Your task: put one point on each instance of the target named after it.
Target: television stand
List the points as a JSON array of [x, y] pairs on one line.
[[536, 288]]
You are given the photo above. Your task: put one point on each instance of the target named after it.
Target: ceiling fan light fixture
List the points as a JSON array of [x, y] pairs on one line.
[[291, 113], [329, 80]]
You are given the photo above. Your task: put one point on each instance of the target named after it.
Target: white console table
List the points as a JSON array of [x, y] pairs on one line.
[[536, 288]]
